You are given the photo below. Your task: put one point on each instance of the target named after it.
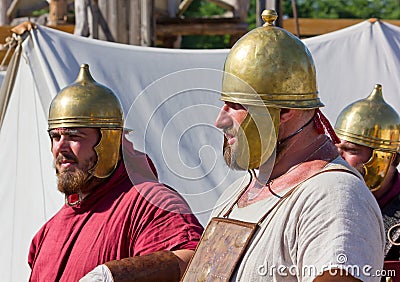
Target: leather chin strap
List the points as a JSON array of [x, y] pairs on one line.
[[280, 142], [322, 125], [159, 266]]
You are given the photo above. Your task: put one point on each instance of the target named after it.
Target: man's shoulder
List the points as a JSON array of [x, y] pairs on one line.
[[156, 193], [148, 187], [339, 164], [338, 173], [336, 182]]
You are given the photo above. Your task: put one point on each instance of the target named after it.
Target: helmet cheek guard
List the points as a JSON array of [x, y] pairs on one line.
[[376, 169], [257, 137], [108, 152]]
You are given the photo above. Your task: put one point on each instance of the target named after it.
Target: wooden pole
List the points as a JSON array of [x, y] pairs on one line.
[[3, 12], [123, 21], [112, 18], [147, 27], [260, 7], [93, 19], [279, 21], [275, 5], [102, 5], [81, 18], [57, 11], [296, 18], [100, 21], [241, 9], [134, 22]]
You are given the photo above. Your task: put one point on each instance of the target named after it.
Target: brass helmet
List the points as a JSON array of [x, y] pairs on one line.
[[373, 123], [268, 68], [86, 103]]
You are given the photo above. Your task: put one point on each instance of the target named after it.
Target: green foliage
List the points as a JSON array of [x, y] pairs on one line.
[[350, 9], [251, 15], [203, 8], [38, 13], [200, 9]]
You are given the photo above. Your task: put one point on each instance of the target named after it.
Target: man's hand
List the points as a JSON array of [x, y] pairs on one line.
[[100, 273]]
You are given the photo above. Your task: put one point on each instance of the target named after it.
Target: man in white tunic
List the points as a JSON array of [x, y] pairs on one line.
[[302, 213]]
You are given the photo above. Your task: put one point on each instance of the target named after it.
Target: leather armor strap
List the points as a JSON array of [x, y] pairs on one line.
[[159, 266]]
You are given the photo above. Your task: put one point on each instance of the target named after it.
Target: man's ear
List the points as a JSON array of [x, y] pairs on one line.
[[286, 114]]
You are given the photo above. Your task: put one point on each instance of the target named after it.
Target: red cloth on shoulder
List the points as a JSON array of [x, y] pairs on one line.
[[137, 162], [393, 192]]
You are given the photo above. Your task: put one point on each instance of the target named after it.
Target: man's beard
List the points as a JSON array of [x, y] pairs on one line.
[[73, 182], [230, 157], [231, 152]]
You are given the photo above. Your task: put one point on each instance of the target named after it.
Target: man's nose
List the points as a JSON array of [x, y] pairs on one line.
[[223, 120], [61, 145]]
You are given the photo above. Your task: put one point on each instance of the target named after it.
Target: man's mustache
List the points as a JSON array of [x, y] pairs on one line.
[[66, 157], [230, 131]]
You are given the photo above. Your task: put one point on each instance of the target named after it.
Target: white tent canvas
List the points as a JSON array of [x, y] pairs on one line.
[[170, 99], [349, 62], [171, 121], [2, 74]]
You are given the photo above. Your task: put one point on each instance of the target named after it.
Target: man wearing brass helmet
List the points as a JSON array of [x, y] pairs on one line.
[[370, 132], [113, 227], [301, 213]]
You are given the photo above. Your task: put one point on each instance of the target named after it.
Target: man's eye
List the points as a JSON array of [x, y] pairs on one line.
[[237, 107], [234, 106], [353, 152], [74, 137]]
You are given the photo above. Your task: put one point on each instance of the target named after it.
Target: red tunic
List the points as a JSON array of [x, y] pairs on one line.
[[114, 222]]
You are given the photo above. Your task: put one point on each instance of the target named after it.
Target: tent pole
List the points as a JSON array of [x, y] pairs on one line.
[[3, 12], [296, 18], [270, 4], [9, 80]]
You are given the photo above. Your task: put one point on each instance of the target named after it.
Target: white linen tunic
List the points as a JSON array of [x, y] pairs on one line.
[[331, 221]]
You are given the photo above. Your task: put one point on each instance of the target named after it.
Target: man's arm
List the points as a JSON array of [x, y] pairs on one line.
[[159, 266]]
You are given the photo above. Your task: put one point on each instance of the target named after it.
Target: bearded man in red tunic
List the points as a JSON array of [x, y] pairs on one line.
[[115, 225]]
